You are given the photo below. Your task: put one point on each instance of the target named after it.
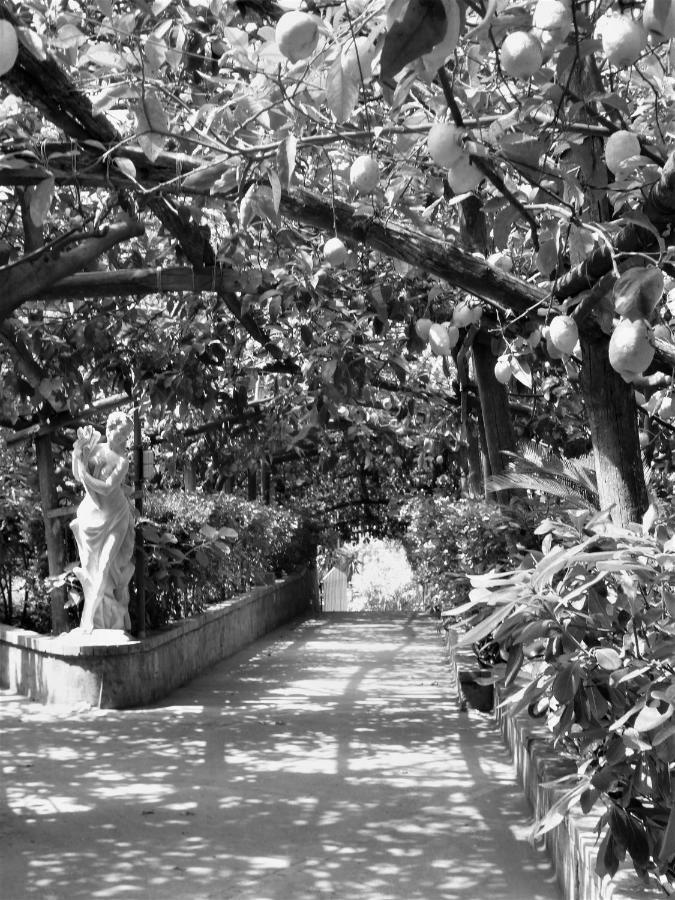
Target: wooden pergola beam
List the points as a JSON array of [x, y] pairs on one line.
[[139, 282]]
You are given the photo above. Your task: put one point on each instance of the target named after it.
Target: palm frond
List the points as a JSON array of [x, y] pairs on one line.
[[536, 467], [557, 488]]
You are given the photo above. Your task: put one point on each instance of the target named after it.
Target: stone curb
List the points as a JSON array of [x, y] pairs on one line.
[[121, 672], [572, 845]]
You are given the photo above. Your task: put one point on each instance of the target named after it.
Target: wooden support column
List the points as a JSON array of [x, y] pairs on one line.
[[53, 530], [494, 402], [266, 480], [494, 416], [139, 551], [252, 480], [189, 476]]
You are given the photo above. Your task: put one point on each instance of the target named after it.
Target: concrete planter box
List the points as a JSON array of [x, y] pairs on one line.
[[572, 846], [113, 671]]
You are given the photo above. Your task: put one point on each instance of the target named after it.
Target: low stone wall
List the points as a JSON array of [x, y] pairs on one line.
[[573, 844], [117, 672]]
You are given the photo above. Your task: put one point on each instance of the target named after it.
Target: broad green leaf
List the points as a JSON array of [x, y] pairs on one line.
[[483, 628], [423, 26], [342, 91], [110, 94], [521, 370], [275, 184], [151, 125], [649, 718], [566, 683], [558, 810], [607, 862], [286, 160], [68, 36], [667, 848], [125, 166], [607, 658]]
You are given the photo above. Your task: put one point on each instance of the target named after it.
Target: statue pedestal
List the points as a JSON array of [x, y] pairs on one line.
[[99, 637]]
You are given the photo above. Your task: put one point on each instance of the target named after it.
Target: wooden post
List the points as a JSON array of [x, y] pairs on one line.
[[494, 403], [53, 530], [475, 485], [189, 476], [139, 552], [252, 476], [266, 479]]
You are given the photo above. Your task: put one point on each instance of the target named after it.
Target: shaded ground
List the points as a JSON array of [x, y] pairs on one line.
[[327, 761]]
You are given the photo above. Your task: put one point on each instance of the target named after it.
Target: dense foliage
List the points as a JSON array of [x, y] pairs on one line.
[[447, 540], [199, 550]]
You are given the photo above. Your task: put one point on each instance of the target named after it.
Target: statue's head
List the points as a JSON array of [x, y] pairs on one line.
[[119, 426]]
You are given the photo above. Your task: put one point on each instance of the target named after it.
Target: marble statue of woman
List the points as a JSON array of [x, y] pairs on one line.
[[104, 526]]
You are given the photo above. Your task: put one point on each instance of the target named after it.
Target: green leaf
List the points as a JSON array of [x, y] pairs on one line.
[[514, 664], [151, 125], [649, 717], [608, 659], [275, 184], [565, 683], [125, 166], [521, 370], [286, 154], [667, 849], [587, 800], [424, 25], [111, 94], [342, 91], [205, 177], [607, 862]]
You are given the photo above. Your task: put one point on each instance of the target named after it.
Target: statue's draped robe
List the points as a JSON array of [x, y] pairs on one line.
[[104, 531]]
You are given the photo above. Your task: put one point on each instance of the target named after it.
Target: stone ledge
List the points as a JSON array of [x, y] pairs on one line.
[[115, 671], [572, 846]]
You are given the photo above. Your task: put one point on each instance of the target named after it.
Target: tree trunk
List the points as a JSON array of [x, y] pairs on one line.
[[53, 530], [494, 402], [609, 401], [612, 416]]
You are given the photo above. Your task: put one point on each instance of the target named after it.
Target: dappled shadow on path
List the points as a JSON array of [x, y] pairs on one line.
[[330, 761]]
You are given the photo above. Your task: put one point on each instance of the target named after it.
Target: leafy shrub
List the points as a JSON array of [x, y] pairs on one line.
[[448, 540], [203, 549], [23, 565], [591, 618]]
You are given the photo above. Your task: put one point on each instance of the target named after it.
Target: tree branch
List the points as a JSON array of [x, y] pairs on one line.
[[24, 360], [24, 279], [659, 209], [48, 87]]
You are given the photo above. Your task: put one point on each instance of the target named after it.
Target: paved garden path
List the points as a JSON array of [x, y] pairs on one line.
[[329, 760]]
